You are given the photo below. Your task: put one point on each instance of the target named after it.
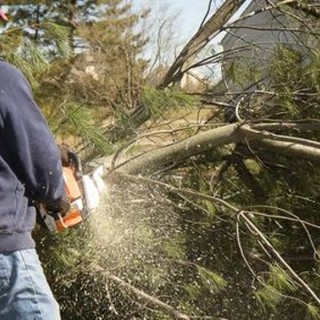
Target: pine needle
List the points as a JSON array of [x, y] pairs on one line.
[[60, 35], [78, 121], [281, 280], [268, 296], [213, 281], [313, 312], [159, 101]]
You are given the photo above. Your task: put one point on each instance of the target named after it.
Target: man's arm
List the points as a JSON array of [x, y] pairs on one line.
[[31, 149]]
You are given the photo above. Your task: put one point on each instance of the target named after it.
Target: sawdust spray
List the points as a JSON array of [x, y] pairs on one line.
[[134, 233], [132, 223]]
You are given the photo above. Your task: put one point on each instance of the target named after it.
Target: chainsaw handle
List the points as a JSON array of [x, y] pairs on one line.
[[43, 214]]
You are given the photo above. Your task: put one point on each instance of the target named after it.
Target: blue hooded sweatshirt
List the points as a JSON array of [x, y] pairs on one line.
[[30, 166]]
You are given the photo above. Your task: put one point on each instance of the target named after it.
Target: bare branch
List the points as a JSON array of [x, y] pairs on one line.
[[304, 125], [309, 9], [206, 15], [144, 296], [294, 30]]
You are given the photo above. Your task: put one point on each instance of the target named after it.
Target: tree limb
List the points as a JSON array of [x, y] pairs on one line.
[[167, 309], [298, 125], [290, 149]]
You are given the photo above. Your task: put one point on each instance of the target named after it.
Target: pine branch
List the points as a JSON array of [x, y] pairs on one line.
[[278, 257]]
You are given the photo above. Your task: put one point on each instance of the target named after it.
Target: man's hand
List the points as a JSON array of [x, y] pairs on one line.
[[61, 208], [65, 154]]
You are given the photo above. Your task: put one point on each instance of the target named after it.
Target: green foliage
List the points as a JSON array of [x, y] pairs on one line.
[[211, 280], [278, 241], [27, 55], [158, 102], [174, 248], [28, 69], [243, 72], [268, 296], [194, 290], [77, 120], [313, 312], [60, 36], [293, 75], [280, 280], [114, 47], [210, 209], [314, 73], [11, 40], [285, 66]]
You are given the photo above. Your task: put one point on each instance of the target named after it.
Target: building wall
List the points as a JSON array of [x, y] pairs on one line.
[[254, 43], [253, 47]]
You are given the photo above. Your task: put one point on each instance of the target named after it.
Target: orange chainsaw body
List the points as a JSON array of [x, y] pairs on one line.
[[71, 184], [83, 192], [73, 216]]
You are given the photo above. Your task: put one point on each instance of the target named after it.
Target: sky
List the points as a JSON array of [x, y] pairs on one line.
[[191, 12]]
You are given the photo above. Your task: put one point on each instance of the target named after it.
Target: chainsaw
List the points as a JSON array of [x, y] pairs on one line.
[[83, 193]]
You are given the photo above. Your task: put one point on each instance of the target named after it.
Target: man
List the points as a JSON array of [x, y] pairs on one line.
[[30, 171]]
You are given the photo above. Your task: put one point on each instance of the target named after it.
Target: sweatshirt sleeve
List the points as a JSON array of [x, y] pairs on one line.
[[30, 147]]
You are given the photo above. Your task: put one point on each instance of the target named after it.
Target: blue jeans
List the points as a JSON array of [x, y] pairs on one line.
[[24, 291]]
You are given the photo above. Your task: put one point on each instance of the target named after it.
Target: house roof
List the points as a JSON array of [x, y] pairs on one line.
[[252, 6]]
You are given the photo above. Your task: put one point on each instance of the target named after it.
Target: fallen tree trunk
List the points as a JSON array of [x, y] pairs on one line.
[[209, 140], [202, 142]]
